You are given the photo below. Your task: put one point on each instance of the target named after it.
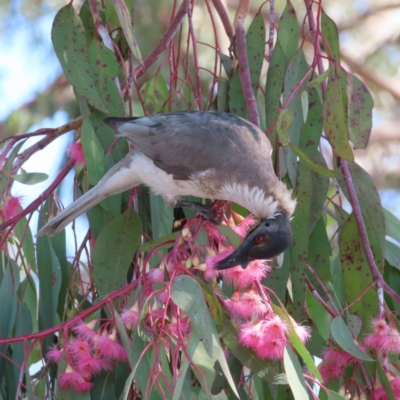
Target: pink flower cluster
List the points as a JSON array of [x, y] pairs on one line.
[[385, 337], [87, 354], [268, 336], [334, 362]]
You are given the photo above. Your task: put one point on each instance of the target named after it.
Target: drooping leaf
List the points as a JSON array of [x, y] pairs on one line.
[[300, 227], [162, 216], [94, 153], [335, 121], [126, 24], [357, 274], [30, 178], [114, 250], [69, 42], [274, 89], [330, 33], [392, 225], [222, 96], [186, 293], [341, 334], [285, 121], [392, 254], [319, 316], [294, 374], [318, 80], [288, 31], [371, 208], [360, 105], [310, 164], [312, 128]]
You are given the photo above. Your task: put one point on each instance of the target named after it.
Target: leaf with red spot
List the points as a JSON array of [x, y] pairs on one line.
[[69, 42], [360, 105]]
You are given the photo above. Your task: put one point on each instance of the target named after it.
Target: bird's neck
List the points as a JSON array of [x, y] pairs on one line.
[[260, 202]]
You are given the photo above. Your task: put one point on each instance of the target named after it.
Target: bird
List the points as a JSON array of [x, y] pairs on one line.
[[208, 154]]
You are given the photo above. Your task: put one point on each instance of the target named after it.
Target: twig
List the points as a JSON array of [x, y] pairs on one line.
[[223, 14], [319, 298], [166, 39], [38, 201]]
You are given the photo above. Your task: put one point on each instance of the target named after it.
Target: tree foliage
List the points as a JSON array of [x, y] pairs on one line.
[[138, 311]]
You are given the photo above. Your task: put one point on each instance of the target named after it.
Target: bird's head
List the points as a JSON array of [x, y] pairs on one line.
[[267, 240]]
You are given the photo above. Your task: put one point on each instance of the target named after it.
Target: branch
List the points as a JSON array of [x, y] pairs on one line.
[[79, 317], [244, 69], [223, 14]]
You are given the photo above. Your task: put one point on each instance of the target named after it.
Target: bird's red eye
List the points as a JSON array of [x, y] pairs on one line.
[[259, 239]]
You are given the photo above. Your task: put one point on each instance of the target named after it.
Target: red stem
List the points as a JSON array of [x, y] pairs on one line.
[[79, 317]]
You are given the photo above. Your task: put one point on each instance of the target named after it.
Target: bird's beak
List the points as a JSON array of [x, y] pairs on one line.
[[267, 240]]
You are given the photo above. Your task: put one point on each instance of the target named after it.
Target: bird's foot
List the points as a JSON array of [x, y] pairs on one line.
[[209, 213]]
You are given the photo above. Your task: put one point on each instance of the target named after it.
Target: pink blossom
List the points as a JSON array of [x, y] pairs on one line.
[[250, 334], [89, 365], [85, 330], [178, 327], [80, 348], [242, 278], [130, 318], [72, 380], [13, 207], [303, 332], [211, 260], [243, 227], [54, 355], [380, 326], [375, 341], [274, 339], [379, 394], [395, 384], [246, 305], [391, 342], [75, 151], [330, 371], [156, 275], [108, 347]]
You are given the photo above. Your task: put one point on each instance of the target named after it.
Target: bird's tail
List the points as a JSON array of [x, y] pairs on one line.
[[78, 207], [122, 176]]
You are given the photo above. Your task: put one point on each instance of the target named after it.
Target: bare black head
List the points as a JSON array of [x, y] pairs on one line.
[[267, 240]]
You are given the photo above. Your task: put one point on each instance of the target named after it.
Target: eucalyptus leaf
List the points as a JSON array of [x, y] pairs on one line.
[[30, 178]]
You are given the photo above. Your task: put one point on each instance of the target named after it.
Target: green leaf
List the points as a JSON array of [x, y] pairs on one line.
[[294, 375], [94, 153], [318, 80], [6, 170], [313, 166], [236, 102], [162, 216], [360, 105], [312, 128], [30, 178], [285, 121], [186, 293], [255, 43], [392, 225], [392, 254], [335, 120], [385, 381], [230, 234], [8, 299], [222, 96], [357, 274], [319, 316], [103, 68], [288, 31], [342, 336], [300, 226], [69, 42], [164, 242], [330, 33], [114, 250], [226, 62], [127, 27], [371, 208], [24, 235]]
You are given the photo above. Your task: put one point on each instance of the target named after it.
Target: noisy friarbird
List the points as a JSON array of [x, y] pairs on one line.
[[211, 154]]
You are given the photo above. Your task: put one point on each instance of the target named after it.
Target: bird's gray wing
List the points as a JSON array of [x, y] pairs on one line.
[[186, 143]]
